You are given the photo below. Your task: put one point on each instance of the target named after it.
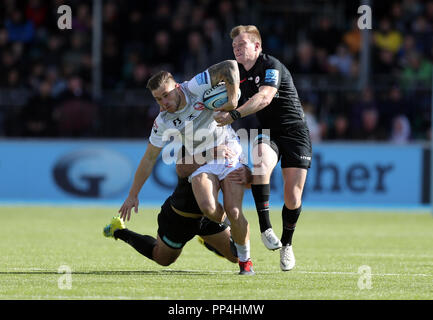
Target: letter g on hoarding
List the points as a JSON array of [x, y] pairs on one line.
[[93, 173]]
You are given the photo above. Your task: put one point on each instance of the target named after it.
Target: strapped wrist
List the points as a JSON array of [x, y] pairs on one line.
[[235, 114]]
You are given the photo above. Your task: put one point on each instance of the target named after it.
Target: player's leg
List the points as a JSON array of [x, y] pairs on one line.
[[205, 187], [148, 246], [265, 159], [296, 155], [233, 194], [221, 242], [294, 181]]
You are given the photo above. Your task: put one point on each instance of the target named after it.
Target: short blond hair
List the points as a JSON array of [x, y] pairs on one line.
[[253, 32], [159, 79]]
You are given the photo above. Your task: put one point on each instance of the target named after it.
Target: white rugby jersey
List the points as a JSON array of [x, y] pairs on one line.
[[194, 125]]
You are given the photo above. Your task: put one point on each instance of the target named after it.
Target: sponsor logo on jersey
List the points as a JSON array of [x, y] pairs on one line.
[[257, 79], [155, 127], [198, 106], [191, 117], [201, 78], [271, 76], [177, 122]]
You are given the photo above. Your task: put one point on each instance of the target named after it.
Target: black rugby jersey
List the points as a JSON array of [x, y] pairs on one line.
[[285, 108], [183, 198]]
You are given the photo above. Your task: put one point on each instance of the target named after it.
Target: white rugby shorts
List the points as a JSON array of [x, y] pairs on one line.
[[222, 168]]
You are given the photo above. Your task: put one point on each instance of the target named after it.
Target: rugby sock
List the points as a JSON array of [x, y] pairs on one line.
[[142, 243], [243, 251], [261, 193], [290, 217]]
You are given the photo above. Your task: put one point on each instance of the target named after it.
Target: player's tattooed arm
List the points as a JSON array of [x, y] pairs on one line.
[[228, 72]]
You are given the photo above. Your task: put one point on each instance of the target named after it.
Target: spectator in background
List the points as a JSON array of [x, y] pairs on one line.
[[37, 115], [394, 103], [18, 28], [397, 17], [429, 13], [76, 51], [385, 63], [352, 38], [409, 45], [141, 75], [341, 62], [36, 12], [76, 114], [82, 20], [326, 36], [417, 74], [213, 40], [370, 129], [195, 57], [305, 62], [423, 34], [401, 130], [339, 130], [387, 38], [312, 123], [111, 67], [162, 55], [366, 100]]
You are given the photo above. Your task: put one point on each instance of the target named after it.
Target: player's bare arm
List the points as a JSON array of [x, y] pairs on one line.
[[141, 175], [256, 103], [228, 72]]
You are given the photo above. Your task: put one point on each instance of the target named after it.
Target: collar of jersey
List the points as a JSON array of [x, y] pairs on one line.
[[260, 57]]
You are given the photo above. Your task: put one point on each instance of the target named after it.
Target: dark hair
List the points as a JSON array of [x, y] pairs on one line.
[[158, 79]]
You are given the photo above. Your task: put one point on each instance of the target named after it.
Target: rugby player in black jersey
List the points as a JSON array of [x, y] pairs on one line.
[[270, 93], [180, 220]]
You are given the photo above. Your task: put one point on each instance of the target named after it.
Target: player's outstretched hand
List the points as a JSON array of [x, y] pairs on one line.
[[125, 209], [223, 152], [240, 176], [223, 118]]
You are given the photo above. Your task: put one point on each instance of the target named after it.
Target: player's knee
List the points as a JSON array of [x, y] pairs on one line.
[[210, 210], [262, 168], [233, 213], [165, 261], [292, 200]]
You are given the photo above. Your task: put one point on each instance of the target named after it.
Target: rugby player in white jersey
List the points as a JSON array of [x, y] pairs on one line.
[[183, 115]]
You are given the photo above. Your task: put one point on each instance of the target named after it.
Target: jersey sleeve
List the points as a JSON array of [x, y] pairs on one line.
[[272, 71], [200, 83], [157, 133]]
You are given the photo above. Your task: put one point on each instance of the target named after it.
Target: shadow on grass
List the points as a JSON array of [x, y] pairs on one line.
[[114, 272]]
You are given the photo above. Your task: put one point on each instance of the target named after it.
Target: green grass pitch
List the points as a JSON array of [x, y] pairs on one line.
[[329, 247]]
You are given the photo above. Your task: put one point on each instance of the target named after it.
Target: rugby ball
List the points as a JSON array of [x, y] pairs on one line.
[[216, 96]]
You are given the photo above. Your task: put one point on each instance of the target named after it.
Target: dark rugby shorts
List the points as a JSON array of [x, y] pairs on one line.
[[176, 230], [292, 145]]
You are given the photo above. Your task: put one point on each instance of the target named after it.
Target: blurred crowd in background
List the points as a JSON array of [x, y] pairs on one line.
[[46, 73]]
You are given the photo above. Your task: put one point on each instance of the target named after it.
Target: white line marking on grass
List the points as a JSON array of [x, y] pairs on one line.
[[216, 272], [97, 297], [311, 272], [373, 274]]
